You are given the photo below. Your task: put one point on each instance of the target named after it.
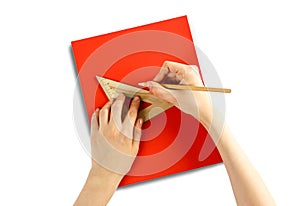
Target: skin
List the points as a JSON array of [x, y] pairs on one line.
[[106, 124], [101, 183]]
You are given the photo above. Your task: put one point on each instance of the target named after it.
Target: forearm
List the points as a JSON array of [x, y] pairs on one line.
[[98, 189], [247, 185]]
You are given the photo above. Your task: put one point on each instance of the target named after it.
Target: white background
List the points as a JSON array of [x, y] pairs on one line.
[[254, 45]]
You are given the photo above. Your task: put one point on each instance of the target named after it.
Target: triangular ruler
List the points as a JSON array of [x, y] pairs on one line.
[[112, 89]]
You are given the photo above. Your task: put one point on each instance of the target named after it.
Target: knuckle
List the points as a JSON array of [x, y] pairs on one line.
[[188, 72], [132, 113], [186, 68], [103, 111], [114, 132], [166, 62]]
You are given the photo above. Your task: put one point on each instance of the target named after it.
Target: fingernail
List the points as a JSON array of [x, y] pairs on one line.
[[136, 99], [121, 96], [97, 109], [140, 121]]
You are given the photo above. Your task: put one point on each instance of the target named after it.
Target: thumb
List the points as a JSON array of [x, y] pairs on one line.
[[161, 92]]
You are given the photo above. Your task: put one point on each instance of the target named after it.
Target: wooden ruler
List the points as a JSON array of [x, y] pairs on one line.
[[112, 89]]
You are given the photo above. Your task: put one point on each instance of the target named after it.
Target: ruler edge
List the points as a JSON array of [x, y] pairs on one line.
[[165, 106]]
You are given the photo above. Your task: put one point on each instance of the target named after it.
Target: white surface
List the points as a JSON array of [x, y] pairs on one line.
[[254, 45]]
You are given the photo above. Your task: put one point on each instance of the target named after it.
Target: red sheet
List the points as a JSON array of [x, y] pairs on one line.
[[171, 142]]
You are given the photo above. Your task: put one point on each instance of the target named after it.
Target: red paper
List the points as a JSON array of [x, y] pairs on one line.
[[171, 142]]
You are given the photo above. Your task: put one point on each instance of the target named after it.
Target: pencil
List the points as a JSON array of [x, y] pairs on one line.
[[190, 87]]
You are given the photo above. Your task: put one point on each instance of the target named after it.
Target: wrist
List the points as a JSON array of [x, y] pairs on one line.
[[214, 123], [205, 115], [104, 176]]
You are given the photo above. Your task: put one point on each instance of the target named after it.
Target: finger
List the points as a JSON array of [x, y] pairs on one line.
[[104, 114], [171, 75], [187, 73], [161, 92], [137, 134], [133, 110], [161, 75], [116, 111], [94, 121], [168, 66], [171, 78], [130, 118]]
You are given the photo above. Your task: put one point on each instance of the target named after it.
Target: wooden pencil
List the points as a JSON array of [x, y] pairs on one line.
[[191, 87]]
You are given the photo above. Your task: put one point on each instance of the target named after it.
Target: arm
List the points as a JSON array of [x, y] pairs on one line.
[[111, 138], [246, 183], [99, 187]]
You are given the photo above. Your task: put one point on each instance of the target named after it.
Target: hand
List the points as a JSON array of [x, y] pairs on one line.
[[115, 143], [195, 103]]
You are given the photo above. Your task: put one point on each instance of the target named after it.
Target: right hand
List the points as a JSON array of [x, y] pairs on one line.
[[195, 103]]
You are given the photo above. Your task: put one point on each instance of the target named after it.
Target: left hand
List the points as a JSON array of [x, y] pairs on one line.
[[115, 143]]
